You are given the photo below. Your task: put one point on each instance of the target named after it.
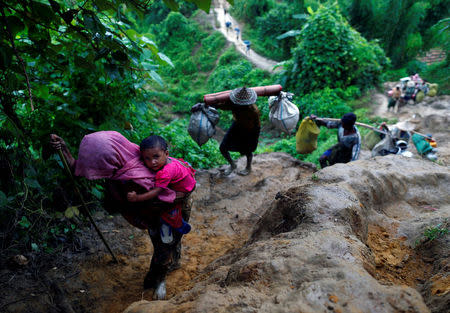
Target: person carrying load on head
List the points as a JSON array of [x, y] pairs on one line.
[[243, 134], [237, 30], [349, 140]]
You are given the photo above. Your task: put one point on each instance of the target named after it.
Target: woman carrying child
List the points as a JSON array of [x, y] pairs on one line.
[[109, 155]]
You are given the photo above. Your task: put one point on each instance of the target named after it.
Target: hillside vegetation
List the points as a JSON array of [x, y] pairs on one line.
[[137, 67]]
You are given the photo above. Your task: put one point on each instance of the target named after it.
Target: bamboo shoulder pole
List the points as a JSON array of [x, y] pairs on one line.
[[371, 127], [357, 123]]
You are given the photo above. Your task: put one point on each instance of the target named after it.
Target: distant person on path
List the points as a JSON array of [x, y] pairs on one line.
[[395, 95], [109, 155], [238, 31], [425, 88], [228, 25], [243, 134], [247, 46], [349, 140], [409, 92]]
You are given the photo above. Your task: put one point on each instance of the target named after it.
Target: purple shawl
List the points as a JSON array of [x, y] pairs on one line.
[[108, 154]]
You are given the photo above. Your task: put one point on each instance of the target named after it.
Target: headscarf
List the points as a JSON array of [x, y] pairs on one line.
[[108, 154]]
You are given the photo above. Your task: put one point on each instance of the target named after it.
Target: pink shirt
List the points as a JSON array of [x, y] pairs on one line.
[[175, 176]]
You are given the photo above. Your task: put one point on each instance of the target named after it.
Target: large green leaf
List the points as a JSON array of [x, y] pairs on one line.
[[156, 78], [165, 58]]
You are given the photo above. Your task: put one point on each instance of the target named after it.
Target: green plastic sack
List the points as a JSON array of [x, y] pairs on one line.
[[306, 137], [371, 139], [432, 92], [420, 96], [434, 86], [423, 147]]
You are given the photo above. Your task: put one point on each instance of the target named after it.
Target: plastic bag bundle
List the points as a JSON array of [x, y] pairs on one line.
[[202, 124], [420, 96], [371, 139], [423, 147], [306, 137], [283, 113], [384, 147]]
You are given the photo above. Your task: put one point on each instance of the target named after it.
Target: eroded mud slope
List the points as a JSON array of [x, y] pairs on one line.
[[346, 239]]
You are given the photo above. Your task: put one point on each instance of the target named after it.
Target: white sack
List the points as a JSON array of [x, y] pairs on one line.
[[283, 113]]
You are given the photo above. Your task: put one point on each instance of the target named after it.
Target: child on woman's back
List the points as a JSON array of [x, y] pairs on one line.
[[170, 173]]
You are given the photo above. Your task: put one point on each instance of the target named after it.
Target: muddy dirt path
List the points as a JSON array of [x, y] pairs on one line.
[[224, 212], [230, 34]]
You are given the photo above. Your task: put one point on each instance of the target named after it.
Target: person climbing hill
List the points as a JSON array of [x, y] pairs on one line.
[[243, 134], [109, 155], [349, 140], [228, 25], [247, 44], [395, 95], [238, 31]]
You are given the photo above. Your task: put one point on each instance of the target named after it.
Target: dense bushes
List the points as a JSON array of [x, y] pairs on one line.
[[326, 102], [265, 21], [331, 54]]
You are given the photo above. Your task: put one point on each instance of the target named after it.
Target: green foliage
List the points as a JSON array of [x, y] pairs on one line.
[[414, 66], [277, 21], [433, 232], [158, 11], [183, 146], [267, 20], [331, 54], [238, 72], [393, 75], [69, 67], [326, 102], [208, 53], [438, 73], [393, 23], [249, 10], [326, 139]]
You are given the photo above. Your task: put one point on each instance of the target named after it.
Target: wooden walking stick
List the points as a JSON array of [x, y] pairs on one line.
[[85, 209]]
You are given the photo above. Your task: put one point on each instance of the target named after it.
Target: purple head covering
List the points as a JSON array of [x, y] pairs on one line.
[[108, 154]]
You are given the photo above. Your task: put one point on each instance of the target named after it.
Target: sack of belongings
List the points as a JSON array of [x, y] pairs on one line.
[[202, 124], [422, 145], [283, 113], [371, 139], [306, 137]]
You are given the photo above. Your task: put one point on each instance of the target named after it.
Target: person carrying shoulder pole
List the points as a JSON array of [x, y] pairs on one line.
[[349, 140]]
